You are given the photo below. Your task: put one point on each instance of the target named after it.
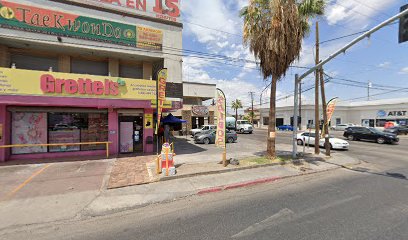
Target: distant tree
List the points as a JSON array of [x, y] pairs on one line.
[[237, 104]]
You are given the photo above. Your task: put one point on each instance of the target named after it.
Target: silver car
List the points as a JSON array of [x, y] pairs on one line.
[[208, 137]]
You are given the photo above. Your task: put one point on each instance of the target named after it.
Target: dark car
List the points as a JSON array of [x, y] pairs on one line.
[[399, 130], [285, 128], [370, 134], [208, 137]]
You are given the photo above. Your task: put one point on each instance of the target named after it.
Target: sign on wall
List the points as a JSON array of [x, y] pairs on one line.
[[39, 20], [54, 84], [148, 119], [168, 10], [400, 113], [200, 110]]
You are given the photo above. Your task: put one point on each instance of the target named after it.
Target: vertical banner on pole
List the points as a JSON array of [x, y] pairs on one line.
[[161, 94], [220, 113], [331, 106]]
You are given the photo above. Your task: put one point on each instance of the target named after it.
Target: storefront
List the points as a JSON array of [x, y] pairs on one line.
[[373, 113], [50, 108], [85, 71]]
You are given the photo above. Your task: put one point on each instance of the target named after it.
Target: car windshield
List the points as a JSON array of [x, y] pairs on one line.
[[244, 122]]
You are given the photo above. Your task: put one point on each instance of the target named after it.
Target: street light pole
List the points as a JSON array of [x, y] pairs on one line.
[[295, 117]]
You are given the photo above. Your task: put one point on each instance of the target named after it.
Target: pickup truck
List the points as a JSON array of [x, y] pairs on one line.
[[193, 132]]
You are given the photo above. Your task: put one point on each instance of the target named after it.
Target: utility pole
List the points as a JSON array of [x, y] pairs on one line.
[[369, 85], [326, 121], [295, 118], [252, 107], [300, 105], [317, 117]]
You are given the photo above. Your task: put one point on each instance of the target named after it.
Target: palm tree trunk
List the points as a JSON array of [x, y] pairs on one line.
[[236, 118], [272, 122]]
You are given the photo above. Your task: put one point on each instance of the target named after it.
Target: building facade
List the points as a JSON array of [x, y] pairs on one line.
[[194, 112], [368, 113], [85, 71]]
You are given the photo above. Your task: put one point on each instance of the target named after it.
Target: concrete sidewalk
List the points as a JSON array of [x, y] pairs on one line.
[[100, 201]]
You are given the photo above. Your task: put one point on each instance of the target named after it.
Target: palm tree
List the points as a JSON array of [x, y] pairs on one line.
[[237, 104], [274, 30]]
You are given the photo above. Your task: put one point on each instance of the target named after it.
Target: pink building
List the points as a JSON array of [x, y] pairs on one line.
[[88, 77]]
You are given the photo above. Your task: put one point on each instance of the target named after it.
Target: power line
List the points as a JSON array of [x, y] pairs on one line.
[[378, 94]]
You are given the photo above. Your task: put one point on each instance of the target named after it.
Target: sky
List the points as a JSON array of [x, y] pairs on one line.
[[214, 27]]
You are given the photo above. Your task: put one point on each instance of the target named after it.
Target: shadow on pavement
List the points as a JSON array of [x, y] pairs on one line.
[[183, 146]]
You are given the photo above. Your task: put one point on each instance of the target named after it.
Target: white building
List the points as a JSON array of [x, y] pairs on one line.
[[367, 113]]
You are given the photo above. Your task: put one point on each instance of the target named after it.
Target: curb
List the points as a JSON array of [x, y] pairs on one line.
[[238, 185]]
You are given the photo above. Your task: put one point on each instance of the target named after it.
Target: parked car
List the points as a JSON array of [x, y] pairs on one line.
[[342, 127], [398, 130], [208, 137], [243, 126], [193, 132], [370, 134], [309, 138], [285, 128]]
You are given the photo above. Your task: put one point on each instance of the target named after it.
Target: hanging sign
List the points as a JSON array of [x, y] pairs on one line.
[[221, 124]]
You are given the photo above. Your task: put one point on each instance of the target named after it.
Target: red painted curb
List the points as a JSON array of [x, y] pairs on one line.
[[251, 183], [237, 185], [210, 190]]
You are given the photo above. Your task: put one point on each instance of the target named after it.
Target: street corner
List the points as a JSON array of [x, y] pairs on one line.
[[46, 179]]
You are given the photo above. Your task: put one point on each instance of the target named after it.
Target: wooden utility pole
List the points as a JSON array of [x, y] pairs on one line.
[[326, 123], [252, 107], [317, 117]]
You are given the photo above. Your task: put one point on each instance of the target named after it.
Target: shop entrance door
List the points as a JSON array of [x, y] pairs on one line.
[[130, 134]]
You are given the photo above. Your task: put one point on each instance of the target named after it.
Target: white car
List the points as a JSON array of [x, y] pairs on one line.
[[193, 132], [309, 138], [342, 127]]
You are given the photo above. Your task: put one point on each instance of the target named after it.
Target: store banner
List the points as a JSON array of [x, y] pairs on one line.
[[221, 123], [55, 84], [40, 20], [331, 106], [148, 121], [168, 10], [161, 90]]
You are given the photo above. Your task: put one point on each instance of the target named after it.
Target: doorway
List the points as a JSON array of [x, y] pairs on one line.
[[130, 134]]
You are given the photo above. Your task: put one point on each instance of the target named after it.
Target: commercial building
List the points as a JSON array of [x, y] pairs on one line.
[[79, 71], [194, 112], [367, 113]]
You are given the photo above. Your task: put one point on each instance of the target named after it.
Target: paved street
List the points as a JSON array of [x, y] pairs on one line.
[[334, 205], [366, 202]]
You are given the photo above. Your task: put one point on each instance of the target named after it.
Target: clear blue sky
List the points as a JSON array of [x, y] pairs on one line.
[[214, 26]]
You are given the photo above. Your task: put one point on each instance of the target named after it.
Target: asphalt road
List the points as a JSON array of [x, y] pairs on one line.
[[367, 203]]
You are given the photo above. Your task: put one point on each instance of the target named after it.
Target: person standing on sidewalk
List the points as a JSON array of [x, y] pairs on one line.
[[167, 133]]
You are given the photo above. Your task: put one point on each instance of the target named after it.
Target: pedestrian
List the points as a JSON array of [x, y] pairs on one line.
[[167, 133]]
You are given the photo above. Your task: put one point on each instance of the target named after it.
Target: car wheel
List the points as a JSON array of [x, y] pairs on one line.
[[299, 142], [242, 130], [380, 140], [230, 140], [350, 137], [250, 132], [206, 141]]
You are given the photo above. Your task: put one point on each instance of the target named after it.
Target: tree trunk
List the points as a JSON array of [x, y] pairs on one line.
[[272, 121]]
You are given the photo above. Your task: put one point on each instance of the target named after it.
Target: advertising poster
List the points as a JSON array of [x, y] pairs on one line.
[[126, 137], [221, 124], [162, 80], [29, 128], [65, 136], [148, 119]]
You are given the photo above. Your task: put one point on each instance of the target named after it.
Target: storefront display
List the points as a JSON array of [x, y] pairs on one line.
[[29, 128]]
